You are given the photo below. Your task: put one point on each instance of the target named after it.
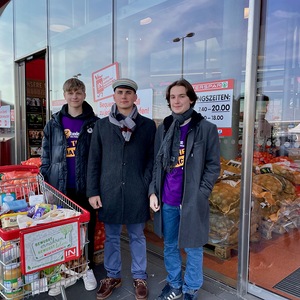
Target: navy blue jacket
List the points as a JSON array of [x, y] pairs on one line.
[[54, 147]]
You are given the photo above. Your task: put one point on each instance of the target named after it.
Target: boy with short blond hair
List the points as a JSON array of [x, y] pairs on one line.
[[64, 157]]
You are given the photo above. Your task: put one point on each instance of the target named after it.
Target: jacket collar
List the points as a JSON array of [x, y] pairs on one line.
[[88, 114], [196, 118]]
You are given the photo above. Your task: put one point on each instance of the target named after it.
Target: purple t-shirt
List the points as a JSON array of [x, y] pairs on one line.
[[72, 129], [172, 190]]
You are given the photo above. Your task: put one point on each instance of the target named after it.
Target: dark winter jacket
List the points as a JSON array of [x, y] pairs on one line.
[[120, 172], [201, 170], [54, 145]]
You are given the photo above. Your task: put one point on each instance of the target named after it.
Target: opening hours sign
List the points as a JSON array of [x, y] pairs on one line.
[[215, 103]]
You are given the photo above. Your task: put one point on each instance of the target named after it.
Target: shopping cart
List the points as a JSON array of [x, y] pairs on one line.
[[46, 257]]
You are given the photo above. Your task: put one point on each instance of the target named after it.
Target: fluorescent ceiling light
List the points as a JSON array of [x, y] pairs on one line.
[[145, 21], [59, 27], [246, 12]]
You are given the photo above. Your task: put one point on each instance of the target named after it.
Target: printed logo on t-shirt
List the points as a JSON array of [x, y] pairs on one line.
[[180, 158], [67, 133], [70, 134], [71, 143]]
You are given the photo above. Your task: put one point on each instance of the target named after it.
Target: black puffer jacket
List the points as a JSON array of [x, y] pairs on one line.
[[54, 164]]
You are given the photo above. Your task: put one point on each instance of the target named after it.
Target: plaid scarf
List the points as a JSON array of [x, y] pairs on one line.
[[126, 123], [169, 150]]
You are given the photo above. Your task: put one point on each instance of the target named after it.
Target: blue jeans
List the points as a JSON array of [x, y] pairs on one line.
[[112, 250], [193, 277]]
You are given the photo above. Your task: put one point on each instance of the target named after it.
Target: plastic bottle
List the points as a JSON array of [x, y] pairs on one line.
[[14, 205]]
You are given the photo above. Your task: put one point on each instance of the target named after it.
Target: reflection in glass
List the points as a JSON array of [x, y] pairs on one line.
[[7, 91], [84, 47], [147, 54], [30, 26], [274, 255]]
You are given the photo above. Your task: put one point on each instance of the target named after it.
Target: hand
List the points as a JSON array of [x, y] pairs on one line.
[[95, 202], [154, 203]]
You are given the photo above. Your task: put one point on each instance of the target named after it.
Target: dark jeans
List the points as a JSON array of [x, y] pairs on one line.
[[83, 202]]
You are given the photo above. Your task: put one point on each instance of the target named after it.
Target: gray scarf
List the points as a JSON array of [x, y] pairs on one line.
[[169, 150], [126, 123]]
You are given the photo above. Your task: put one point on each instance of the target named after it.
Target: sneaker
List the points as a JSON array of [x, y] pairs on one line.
[[170, 293], [107, 286], [89, 280], [141, 289], [55, 289]]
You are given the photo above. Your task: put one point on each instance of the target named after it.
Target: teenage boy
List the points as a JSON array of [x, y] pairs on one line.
[[65, 149], [119, 173], [186, 168]]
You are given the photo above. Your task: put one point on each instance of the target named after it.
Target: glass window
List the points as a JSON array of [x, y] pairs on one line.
[[80, 42], [275, 217], [7, 89], [153, 46], [30, 26]]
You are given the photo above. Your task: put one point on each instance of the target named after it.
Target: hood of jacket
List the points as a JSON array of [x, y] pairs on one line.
[[87, 112]]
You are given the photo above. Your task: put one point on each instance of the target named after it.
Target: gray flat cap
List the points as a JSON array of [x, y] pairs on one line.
[[125, 83]]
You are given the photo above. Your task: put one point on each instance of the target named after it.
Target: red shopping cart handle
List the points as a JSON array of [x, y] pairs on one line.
[[10, 168]]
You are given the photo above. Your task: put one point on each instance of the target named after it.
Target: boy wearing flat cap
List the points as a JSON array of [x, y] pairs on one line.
[[119, 173]]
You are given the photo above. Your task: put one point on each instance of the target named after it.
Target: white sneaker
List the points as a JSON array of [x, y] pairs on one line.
[[89, 280], [55, 289]]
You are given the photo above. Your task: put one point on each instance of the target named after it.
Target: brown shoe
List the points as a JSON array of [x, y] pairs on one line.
[[107, 286], [141, 289]]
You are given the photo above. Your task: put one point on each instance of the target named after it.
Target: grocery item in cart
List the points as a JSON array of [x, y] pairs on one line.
[[7, 197], [12, 281], [15, 205], [3, 210], [30, 278], [24, 221], [18, 180], [9, 252], [36, 199], [10, 220], [33, 161]]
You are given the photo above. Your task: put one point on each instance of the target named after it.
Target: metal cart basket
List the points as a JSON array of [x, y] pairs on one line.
[[46, 257]]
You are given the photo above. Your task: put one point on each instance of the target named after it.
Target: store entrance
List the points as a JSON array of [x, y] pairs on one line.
[[32, 95]]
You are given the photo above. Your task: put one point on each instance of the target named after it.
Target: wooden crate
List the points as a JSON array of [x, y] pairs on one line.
[[221, 251]]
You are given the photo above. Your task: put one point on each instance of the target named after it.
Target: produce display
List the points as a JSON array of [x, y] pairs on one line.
[[275, 202]]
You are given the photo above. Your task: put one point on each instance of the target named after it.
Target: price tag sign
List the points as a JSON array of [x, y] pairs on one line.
[[215, 103]]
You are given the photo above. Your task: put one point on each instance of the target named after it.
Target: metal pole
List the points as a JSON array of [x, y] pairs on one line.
[[247, 150], [182, 57], [178, 39]]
